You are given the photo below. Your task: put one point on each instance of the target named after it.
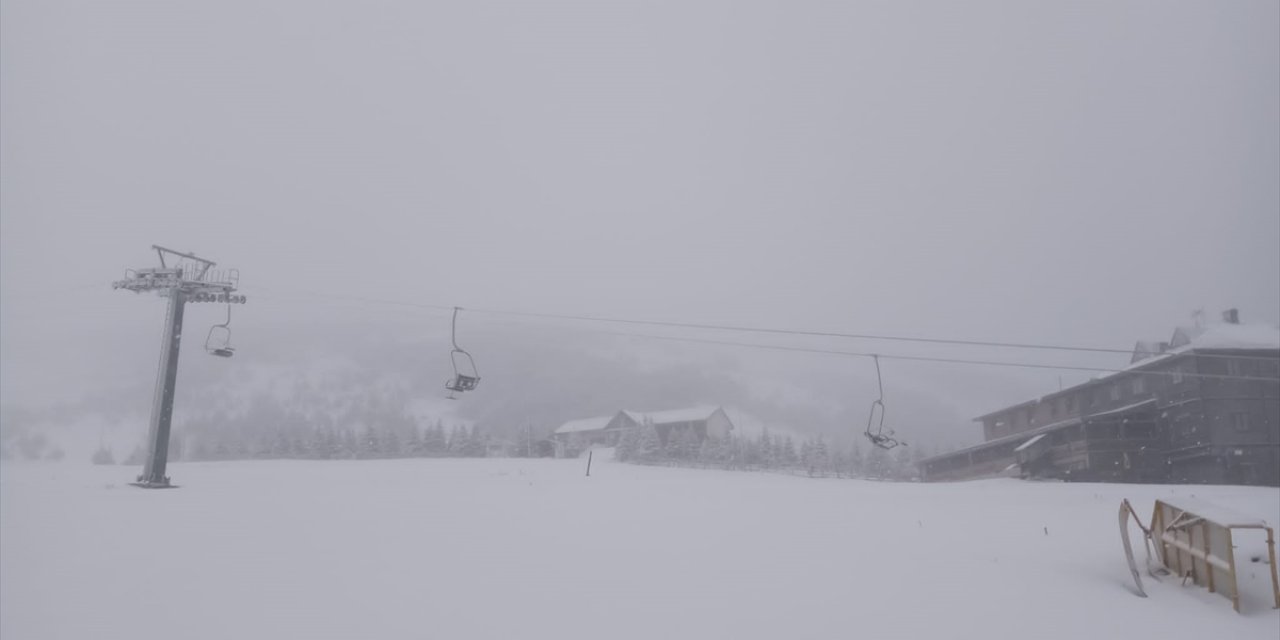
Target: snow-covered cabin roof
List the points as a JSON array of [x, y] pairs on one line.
[[691, 414], [585, 424], [1236, 336]]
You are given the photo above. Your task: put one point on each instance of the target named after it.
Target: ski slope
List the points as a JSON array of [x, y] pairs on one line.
[[503, 548]]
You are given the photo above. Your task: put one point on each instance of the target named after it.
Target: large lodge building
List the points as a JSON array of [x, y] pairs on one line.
[[1201, 408]]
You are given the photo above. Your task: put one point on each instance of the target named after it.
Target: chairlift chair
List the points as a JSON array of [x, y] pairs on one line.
[[878, 437], [218, 342], [465, 375]]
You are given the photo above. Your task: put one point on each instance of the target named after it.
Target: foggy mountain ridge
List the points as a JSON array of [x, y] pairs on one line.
[[530, 378], [388, 366]]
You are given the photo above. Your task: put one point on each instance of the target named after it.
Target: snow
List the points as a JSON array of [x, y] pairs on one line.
[[1028, 444], [504, 548], [585, 424], [691, 414], [1219, 514], [1218, 336], [1120, 410], [1237, 336]]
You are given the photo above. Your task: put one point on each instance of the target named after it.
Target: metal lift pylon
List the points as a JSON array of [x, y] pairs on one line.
[[182, 278]]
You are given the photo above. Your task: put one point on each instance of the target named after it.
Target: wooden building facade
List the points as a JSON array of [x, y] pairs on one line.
[[1205, 410]]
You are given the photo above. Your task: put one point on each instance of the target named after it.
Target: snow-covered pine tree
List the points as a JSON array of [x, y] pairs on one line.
[[650, 450], [434, 442], [839, 462], [672, 451], [628, 445], [767, 454], [789, 457], [370, 443], [457, 435], [390, 444], [822, 460], [413, 441]]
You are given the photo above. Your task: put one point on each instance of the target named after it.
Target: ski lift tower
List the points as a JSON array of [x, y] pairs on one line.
[[182, 278]]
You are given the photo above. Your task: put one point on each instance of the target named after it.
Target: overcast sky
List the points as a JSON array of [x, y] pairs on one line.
[[1065, 172]]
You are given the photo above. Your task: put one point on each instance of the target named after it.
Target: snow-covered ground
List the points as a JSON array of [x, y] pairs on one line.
[[533, 549]]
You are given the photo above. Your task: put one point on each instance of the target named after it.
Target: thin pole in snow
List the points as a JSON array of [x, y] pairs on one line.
[[589, 454]]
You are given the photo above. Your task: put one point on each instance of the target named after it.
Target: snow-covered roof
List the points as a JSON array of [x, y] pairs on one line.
[[1224, 516], [1004, 440], [1218, 336], [1237, 336], [1182, 336], [1026, 445], [585, 424], [1119, 410], [1224, 336], [691, 414]]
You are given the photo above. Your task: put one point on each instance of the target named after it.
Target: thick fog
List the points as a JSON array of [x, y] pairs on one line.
[[1071, 173]]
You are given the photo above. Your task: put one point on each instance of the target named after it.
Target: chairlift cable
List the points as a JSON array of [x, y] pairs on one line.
[[964, 361], [766, 330]]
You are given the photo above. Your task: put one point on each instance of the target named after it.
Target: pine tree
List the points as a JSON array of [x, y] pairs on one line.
[[839, 462], [820, 456], [750, 455], [413, 442], [789, 456], [390, 445], [677, 443], [767, 454], [857, 466], [706, 452], [473, 443], [628, 445], [650, 445], [345, 445], [877, 464], [434, 441], [369, 443]]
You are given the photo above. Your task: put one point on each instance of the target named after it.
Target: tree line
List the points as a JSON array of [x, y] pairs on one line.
[[401, 439], [766, 452]]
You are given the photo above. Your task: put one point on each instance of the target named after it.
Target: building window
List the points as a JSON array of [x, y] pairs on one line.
[[1115, 392], [1071, 404], [1139, 386], [1177, 375], [1234, 368], [1240, 421]]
